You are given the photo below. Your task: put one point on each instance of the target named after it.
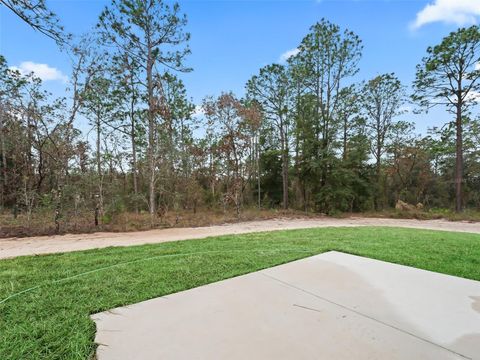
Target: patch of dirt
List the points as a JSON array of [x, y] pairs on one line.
[[12, 247]]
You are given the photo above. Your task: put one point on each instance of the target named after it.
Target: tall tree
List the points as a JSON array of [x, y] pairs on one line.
[[86, 62], [127, 84], [382, 99], [152, 32], [98, 107], [449, 76], [348, 114], [227, 114], [253, 116], [271, 89], [175, 133], [10, 84], [327, 56]]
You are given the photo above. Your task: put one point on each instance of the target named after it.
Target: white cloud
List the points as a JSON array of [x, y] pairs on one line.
[[477, 66], [458, 12], [288, 54], [43, 71]]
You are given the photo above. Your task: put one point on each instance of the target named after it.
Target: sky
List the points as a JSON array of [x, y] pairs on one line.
[[232, 39]]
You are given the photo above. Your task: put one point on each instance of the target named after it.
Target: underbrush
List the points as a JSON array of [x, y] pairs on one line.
[[43, 222], [429, 214]]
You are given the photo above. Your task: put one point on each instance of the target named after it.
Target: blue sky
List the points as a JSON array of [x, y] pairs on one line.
[[232, 39]]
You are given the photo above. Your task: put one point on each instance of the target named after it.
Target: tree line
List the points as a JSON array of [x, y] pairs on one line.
[[306, 135]]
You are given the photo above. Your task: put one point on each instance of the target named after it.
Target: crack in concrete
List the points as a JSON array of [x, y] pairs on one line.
[[307, 308]]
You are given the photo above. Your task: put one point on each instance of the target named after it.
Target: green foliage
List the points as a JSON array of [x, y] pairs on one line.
[[138, 26], [271, 177], [36, 14], [449, 71]]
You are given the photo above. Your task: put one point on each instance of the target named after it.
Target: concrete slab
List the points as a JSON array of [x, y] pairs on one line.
[[329, 306]]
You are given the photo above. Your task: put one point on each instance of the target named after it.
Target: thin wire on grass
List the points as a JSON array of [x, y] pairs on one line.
[[140, 260]]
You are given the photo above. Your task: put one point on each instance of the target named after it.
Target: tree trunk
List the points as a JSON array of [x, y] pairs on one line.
[[134, 160], [284, 148], [212, 173], [151, 136], [459, 160], [345, 134], [285, 178], [257, 155], [378, 174], [99, 166], [4, 161]]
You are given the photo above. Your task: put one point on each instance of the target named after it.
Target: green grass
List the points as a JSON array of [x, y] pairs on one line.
[[51, 321]]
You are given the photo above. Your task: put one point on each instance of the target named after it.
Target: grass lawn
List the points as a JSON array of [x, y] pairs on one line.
[[51, 320]]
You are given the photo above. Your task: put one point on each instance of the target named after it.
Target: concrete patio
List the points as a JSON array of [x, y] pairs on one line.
[[329, 306]]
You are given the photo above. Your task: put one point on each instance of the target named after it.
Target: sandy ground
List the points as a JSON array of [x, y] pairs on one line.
[[12, 247]]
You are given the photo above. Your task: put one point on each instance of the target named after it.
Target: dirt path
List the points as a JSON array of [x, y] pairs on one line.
[[12, 247]]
